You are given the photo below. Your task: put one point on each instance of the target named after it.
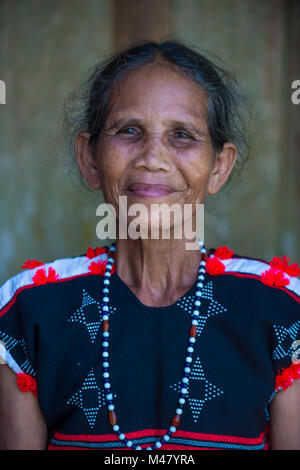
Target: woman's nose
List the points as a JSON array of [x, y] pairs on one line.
[[154, 155]]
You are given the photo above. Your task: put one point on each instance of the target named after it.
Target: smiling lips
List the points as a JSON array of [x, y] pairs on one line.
[[150, 190]]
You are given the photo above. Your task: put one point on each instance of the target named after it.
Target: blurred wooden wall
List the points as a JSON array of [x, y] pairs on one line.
[[45, 49], [138, 20]]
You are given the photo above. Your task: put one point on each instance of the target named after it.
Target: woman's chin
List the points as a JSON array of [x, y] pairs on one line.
[[153, 229]]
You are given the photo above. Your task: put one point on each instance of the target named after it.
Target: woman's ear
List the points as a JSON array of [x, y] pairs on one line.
[[86, 161], [224, 164]]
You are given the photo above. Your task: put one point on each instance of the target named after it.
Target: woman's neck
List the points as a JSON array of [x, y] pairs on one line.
[[157, 271]]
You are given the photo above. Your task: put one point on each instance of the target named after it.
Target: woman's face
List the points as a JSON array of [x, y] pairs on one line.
[[155, 147]]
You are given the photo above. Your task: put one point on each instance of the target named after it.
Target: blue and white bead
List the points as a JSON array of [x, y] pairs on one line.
[[188, 359]]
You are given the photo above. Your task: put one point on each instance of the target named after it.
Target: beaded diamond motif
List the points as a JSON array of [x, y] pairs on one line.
[[286, 337], [214, 307], [199, 389], [13, 344], [89, 398], [80, 315]]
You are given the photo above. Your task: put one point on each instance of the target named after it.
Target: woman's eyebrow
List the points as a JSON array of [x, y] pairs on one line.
[[123, 121], [174, 123], [188, 126]]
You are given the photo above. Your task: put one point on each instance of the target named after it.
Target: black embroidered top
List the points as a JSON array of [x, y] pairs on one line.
[[246, 350]]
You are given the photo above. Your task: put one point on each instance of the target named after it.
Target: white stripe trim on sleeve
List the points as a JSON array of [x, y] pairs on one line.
[[65, 268], [6, 358], [253, 266]]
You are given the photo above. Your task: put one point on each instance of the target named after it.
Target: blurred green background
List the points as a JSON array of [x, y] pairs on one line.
[[47, 46]]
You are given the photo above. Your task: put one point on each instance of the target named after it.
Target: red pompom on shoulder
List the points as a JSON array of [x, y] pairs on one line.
[[214, 266], [287, 376], [26, 383], [282, 264], [41, 276], [223, 252], [31, 263], [91, 253], [99, 267], [272, 277], [52, 275]]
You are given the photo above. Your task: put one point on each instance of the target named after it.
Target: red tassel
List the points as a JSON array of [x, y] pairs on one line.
[[287, 376], [41, 277], [292, 270], [214, 266], [91, 253], [52, 275], [99, 267], [272, 277], [31, 263], [223, 252], [26, 383]]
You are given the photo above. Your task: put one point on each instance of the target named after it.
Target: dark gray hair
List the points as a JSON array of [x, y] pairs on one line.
[[88, 108]]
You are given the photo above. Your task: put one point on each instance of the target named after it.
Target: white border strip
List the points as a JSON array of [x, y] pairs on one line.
[[69, 267], [65, 268], [251, 266], [6, 358]]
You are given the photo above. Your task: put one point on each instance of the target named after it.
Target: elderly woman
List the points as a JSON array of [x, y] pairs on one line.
[[146, 344]]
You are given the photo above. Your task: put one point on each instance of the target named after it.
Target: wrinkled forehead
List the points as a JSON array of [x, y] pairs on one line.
[[157, 90]]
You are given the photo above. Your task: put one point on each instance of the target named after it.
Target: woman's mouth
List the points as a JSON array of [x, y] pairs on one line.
[[150, 190]]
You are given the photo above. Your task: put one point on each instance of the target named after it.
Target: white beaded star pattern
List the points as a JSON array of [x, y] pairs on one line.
[[12, 343], [91, 307], [89, 398], [213, 306], [286, 337], [199, 389]]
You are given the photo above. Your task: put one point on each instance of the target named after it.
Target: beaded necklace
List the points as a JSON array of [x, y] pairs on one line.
[[188, 360]]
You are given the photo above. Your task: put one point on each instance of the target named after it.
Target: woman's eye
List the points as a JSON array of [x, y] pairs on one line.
[[127, 131], [183, 134]]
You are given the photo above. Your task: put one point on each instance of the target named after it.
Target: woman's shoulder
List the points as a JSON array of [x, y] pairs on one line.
[[278, 273], [37, 273], [265, 296], [41, 299]]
